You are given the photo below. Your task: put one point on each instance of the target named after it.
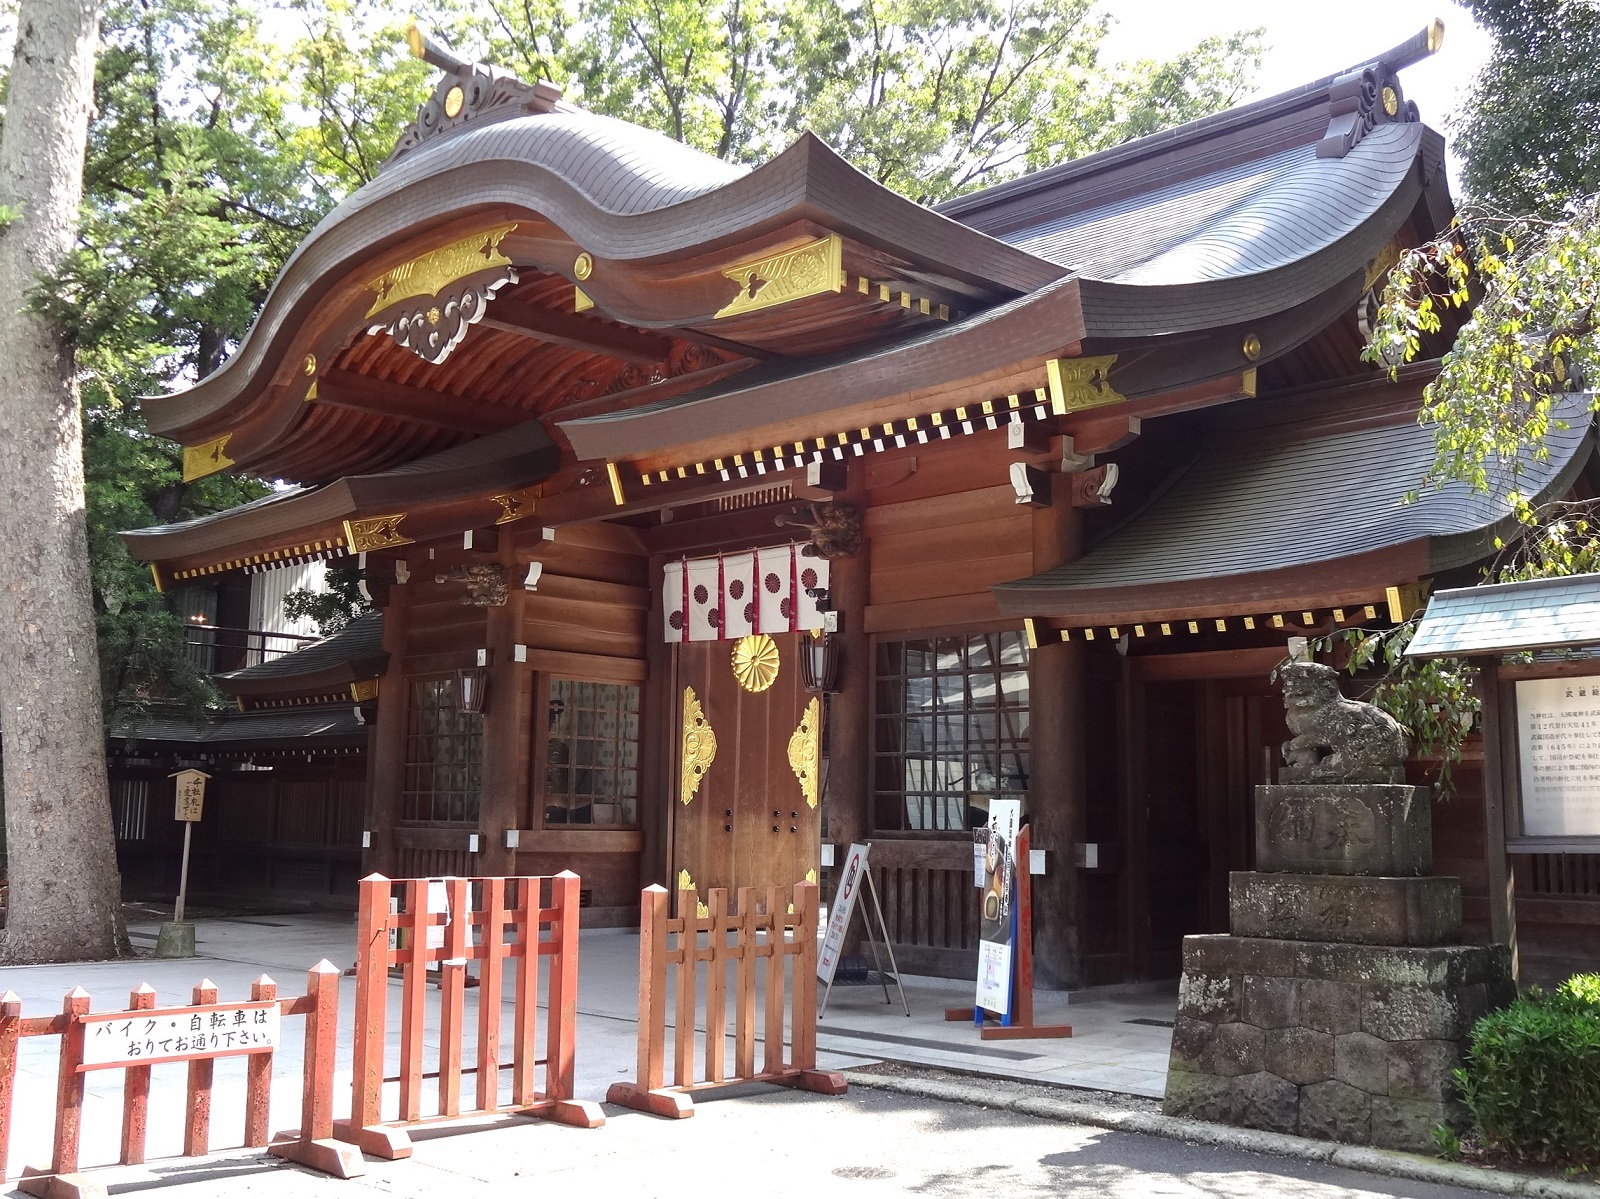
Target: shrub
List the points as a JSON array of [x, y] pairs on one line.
[[1532, 1078]]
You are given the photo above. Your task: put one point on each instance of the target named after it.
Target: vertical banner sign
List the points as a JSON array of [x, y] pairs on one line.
[[996, 927], [851, 879]]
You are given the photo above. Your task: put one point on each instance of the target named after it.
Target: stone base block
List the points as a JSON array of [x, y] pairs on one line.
[[1345, 1042], [175, 940], [1364, 911], [1379, 829]]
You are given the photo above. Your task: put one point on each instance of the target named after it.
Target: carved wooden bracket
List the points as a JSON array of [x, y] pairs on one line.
[[834, 528], [486, 583], [1092, 488]]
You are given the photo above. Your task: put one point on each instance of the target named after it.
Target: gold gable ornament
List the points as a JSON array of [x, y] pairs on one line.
[[806, 270], [206, 459]]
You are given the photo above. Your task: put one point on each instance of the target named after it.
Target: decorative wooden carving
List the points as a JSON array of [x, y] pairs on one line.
[[1092, 488], [430, 302], [684, 359], [375, 533], [834, 529], [207, 459], [486, 583], [1078, 383], [805, 751], [699, 746], [807, 270], [467, 92], [755, 662], [1360, 101]]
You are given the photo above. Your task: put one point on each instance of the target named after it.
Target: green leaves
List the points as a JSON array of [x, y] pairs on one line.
[[1532, 1078], [1531, 336]]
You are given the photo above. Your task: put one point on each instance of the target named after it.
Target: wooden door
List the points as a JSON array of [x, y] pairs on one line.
[[750, 819]]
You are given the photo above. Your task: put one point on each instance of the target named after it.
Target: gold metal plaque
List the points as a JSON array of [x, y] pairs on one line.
[[583, 267], [1078, 383], [202, 460], [805, 751], [454, 100], [807, 270], [429, 274], [755, 662], [375, 533], [699, 745], [363, 689]]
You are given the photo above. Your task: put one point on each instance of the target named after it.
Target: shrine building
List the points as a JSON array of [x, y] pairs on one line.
[[719, 517]]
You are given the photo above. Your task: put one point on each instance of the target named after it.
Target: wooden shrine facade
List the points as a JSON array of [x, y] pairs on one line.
[[633, 446]]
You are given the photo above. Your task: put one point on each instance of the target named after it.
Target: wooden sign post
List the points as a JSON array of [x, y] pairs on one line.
[[176, 939]]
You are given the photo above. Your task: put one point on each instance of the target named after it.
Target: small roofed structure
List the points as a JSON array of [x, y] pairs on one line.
[[1508, 618], [284, 813], [1533, 645]]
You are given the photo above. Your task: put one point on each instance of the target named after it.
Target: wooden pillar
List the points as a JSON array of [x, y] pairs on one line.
[[849, 790], [1056, 810], [503, 802], [1498, 710], [1135, 832], [658, 744], [387, 746]]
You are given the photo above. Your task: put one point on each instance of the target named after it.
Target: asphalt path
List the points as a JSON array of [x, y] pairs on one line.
[[759, 1141]]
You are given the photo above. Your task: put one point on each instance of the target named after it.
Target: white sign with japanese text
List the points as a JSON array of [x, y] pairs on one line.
[[851, 879], [178, 1034], [1558, 726]]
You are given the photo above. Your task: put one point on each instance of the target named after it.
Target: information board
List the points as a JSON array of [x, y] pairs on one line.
[[999, 895], [1558, 730], [178, 1034], [851, 878]]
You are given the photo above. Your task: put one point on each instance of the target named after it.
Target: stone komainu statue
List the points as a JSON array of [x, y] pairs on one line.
[[1336, 740]]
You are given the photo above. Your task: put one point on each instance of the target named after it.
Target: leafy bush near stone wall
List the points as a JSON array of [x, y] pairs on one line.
[[1532, 1078]]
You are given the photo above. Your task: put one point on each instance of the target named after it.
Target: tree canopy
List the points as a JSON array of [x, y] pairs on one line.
[[1529, 132]]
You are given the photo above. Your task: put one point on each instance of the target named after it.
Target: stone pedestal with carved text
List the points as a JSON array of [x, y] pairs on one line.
[[1339, 1005]]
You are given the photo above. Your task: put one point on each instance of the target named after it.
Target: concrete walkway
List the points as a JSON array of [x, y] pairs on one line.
[[1120, 1042]]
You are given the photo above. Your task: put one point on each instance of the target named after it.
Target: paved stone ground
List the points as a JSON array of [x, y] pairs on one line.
[[769, 1142]]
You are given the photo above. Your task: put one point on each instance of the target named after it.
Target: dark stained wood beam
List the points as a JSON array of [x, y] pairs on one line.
[[577, 332], [420, 405]]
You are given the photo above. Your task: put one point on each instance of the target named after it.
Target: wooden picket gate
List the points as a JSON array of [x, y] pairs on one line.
[[782, 926], [477, 916], [310, 1145]]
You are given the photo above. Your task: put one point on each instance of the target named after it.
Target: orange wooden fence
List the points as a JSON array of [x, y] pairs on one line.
[[503, 924], [778, 926], [138, 1047]]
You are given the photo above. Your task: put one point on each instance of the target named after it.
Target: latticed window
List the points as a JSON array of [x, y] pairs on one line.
[[592, 777], [951, 730], [444, 757]]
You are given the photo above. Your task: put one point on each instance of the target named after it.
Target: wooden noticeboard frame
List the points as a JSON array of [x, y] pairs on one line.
[[1500, 681]]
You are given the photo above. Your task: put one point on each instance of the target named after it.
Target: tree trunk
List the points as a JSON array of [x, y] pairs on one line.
[[62, 853]]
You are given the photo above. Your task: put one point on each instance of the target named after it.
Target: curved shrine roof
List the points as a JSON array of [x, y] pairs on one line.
[[1249, 507]]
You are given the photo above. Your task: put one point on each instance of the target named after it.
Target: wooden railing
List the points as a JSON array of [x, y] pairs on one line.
[[198, 1034], [766, 929], [470, 919]]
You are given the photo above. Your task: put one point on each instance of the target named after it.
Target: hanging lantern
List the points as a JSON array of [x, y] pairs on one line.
[[819, 661], [472, 685]]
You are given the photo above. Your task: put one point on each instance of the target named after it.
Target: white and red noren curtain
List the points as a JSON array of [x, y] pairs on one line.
[[734, 595]]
